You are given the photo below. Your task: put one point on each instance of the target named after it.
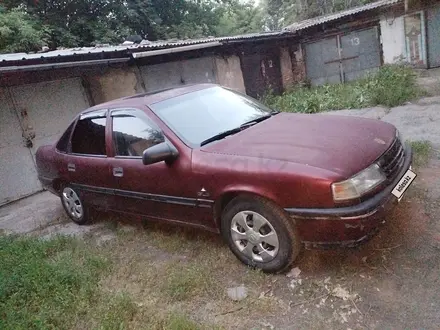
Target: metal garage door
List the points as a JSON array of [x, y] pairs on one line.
[[322, 62], [45, 109], [262, 72], [18, 176], [173, 74], [31, 116], [343, 57], [433, 22]]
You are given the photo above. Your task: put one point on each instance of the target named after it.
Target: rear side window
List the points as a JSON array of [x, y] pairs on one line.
[[89, 137], [132, 135], [63, 143]]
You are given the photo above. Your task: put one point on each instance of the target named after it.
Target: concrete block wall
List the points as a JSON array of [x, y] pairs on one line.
[[114, 84], [229, 74]]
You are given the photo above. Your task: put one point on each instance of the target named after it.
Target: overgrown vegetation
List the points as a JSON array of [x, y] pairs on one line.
[[421, 152], [391, 86]]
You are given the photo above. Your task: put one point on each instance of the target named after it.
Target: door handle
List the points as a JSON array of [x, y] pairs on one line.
[[71, 167], [118, 172]]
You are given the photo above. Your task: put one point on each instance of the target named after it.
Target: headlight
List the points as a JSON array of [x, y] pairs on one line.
[[359, 184]]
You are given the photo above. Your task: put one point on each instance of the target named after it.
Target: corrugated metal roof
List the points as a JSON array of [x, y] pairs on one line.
[[144, 46], [331, 17]]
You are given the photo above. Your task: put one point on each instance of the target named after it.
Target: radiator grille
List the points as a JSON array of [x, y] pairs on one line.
[[392, 160]]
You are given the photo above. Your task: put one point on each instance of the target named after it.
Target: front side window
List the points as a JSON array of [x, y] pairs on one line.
[[89, 137], [132, 135]]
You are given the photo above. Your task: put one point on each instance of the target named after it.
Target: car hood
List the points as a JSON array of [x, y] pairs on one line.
[[342, 144]]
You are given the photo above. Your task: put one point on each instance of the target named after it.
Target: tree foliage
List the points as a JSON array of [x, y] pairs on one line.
[[241, 18], [19, 32], [26, 25], [280, 13]]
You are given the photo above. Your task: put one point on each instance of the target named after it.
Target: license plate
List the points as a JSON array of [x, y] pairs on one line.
[[403, 184]]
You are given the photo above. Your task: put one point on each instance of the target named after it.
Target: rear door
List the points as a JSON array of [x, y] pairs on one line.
[[87, 164]]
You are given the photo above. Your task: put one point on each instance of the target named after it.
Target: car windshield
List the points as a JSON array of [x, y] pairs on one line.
[[198, 116]]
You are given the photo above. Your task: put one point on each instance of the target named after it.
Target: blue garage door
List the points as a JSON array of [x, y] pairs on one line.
[[433, 22]]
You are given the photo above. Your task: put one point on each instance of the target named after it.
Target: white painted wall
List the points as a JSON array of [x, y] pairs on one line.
[[393, 39]]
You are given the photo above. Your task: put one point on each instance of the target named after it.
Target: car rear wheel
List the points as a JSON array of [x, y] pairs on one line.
[[260, 234], [74, 206]]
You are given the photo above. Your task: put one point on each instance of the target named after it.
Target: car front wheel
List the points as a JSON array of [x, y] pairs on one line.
[[74, 206], [260, 234]]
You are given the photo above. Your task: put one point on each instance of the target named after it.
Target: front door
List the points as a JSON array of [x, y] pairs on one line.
[[157, 191]]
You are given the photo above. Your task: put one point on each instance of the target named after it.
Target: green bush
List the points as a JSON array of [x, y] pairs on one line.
[[390, 86]]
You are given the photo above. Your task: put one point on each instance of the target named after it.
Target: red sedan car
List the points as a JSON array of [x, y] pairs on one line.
[[208, 157]]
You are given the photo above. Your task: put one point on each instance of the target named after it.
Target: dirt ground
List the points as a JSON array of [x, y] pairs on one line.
[[392, 282]]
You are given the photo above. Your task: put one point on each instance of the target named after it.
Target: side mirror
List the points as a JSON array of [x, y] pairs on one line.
[[160, 152]]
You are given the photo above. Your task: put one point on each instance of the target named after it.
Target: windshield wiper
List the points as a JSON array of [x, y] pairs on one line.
[[224, 134], [221, 135], [259, 119]]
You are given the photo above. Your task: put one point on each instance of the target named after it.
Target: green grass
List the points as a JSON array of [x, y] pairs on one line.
[[58, 284], [177, 321], [421, 152], [185, 281], [47, 284], [391, 86]]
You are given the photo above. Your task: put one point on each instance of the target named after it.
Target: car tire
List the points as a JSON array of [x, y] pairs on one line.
[[74, 205], [272, 235]]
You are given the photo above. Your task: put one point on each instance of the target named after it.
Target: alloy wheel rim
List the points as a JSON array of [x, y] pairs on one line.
[[73, 203], [254, 236]]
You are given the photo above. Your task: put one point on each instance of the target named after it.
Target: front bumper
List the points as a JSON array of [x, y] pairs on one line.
[[347, 226]]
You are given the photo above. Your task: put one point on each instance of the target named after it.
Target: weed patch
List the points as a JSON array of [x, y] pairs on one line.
[[391, 86], [186, 281], [421, 152]]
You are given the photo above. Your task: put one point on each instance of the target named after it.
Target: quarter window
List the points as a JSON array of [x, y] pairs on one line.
[[89, 137], [63, 143], [132, 135]]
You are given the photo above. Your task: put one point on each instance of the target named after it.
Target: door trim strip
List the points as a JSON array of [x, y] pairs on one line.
[[196, 202]]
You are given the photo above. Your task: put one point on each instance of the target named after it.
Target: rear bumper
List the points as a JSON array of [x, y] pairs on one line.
[[47, 184], [347, 226]]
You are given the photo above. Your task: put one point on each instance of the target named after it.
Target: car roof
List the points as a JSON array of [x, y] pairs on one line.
[[147, 99]]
